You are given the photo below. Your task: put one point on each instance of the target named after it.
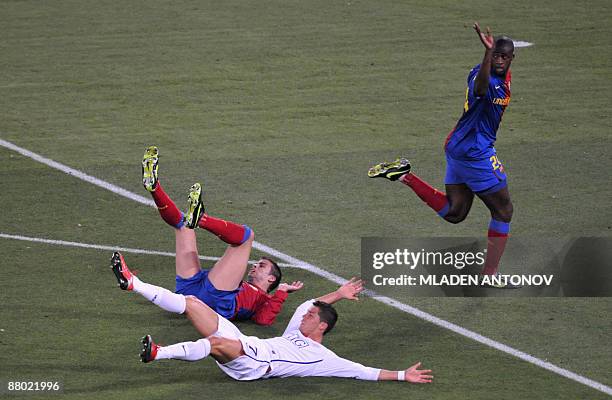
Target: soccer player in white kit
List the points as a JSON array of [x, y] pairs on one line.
[[298, 352]]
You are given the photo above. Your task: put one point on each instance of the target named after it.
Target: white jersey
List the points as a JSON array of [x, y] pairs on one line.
[[293, 354]]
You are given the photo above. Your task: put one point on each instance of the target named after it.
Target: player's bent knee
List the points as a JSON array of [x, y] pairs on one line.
[[455, 218], [504, 213], [505, 216]]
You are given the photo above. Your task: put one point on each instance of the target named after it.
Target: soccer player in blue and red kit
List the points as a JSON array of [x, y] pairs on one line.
[[222, 287], [472, 165]]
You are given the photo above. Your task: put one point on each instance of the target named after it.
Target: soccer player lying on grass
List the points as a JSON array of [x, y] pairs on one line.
[[472, 165], [222, 287], [299, 352]]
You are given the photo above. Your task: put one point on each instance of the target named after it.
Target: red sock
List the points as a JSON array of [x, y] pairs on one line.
[[433, 197], [227, 231], [166, 207], [496, 244]]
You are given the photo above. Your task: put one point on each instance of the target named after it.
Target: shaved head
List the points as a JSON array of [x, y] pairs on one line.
[[504, 44]]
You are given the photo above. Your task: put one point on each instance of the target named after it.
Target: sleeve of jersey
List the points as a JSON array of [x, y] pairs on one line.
[[342, 368], [267, 312], [471, 81], [294, 324]]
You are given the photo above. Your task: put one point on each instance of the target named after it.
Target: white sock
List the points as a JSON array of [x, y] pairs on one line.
[[187, 351], [164, 298]]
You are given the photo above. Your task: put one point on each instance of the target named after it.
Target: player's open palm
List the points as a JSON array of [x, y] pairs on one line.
[[416, 375], [351, 289], [291, 287], [486, 39]]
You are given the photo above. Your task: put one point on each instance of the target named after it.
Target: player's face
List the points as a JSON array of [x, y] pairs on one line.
[[502, 58], [260, 270], [310, 321]]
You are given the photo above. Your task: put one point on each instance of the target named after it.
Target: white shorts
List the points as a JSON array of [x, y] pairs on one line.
[[245, 368], [227, 330], [254, 364]]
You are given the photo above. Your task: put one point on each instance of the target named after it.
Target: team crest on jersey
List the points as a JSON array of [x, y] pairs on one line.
[[297, 340]]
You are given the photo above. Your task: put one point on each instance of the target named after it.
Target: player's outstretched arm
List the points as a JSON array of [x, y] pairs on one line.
[[350, 290], [482, 79], [291, 287], [412, 375]]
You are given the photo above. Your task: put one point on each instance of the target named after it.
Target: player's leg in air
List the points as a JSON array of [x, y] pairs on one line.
[[220, 338], [204, 319], [222, 349], [229, 271], [462, 182], [453, 206]]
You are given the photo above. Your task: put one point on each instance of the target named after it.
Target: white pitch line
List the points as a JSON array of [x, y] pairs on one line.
[[111, 248], [78, 174], [522, 43], [334, 278]]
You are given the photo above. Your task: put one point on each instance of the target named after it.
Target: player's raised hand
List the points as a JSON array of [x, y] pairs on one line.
[[486, 39], [291, 287], [351, 289], [416, 375]]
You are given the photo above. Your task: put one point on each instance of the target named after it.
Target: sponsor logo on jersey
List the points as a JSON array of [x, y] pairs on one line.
[[501, 102], [296, 340]]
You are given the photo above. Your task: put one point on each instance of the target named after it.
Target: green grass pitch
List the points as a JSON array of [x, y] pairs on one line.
[[279, 108]]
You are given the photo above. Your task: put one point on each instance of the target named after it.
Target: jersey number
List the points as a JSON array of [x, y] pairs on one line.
[[496, 164]]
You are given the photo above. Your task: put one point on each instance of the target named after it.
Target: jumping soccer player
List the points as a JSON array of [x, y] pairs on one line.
[[473, 167], [299, 352], [222, 287]]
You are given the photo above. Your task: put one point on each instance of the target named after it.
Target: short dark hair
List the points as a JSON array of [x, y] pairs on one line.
[[327, 314], [276, 272], [504, 42]]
